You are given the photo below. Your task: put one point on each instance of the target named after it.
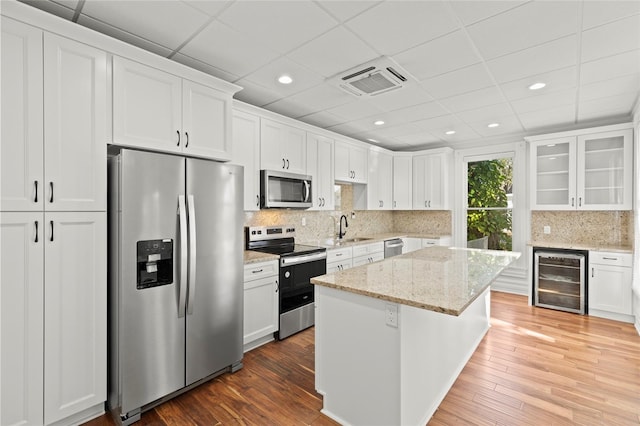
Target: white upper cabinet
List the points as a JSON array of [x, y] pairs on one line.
[[432, 180], [282, 147], [380, 180], [320, 167], [402, 181], [53, 122], [589, 171], [75, 126], [22, 163], [156, 110], [246, 152], [350, 162]]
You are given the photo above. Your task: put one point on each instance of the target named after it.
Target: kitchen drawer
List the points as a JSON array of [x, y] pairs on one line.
[[363, 260], [339, 266], [339, 254], [254, 271], [610, 258], [365, 249]]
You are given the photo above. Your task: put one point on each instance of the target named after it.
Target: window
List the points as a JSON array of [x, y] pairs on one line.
[[489, 203]]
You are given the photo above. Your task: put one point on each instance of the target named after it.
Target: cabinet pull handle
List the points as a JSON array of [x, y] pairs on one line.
[[51, 189], [36, 240], [287, 164], [257, 201], [425, 204], [51, 223], [395, 204], [579, 201], [592, 272], [338, 254], [277, 286], [610, 258], [186, 145], [284, 163], [572, 201], [35, 199], [257, 271], [178, 132]]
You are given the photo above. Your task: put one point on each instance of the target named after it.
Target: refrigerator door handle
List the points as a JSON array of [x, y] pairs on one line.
[[182, 296], [192, 254]]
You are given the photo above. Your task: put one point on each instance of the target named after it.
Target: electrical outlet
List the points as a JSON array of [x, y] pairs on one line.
[[546, 229], [392, 314], [353, 215], [304, 221]]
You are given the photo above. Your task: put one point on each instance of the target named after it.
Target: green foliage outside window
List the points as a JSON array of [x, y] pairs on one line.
[[489, 182]]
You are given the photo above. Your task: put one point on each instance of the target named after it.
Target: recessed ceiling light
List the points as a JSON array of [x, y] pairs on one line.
[[285, 79], [450, 132], [378, 123], [537, 86], [372, 140], [492, 125]]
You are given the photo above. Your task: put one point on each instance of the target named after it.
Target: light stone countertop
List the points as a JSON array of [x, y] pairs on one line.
[[368, 239], [251, 256], [440, 279], [582, 246]]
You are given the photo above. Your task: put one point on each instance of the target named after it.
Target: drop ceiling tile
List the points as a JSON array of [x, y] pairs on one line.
[[600, 12], [322, 119], [333, 52], [438, 125], [472, 100], [459, 81], [487, 114], [289, 108], [63, 9], [280, 25], [255, 94], [71, 4], [395, 131], [444, 54], [549, 118], [348, 128], [345, 10], [477, 10], [617, 86], [211, 8], [124, 36], [355, 110], [170, 24], [508, 125], [227, 49], [416, 113], [267, 76], [561, 79], [610, 39], [410, 95], [204, 67], [544, 101], [395, 26], [620, 105], [462, 133], [526, 26], [322, 97], [610, 67], [421, 139], [546, 57]]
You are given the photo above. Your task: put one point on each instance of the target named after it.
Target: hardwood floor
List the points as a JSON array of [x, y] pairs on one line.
[[535, 366]]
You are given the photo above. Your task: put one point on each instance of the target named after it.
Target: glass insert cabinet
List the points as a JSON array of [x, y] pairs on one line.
[[588, 171]]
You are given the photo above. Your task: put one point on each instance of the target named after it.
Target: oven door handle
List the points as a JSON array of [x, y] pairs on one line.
[[295, 260]]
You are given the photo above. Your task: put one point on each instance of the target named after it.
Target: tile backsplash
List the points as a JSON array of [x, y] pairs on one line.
[[324, 224], [583, 227]]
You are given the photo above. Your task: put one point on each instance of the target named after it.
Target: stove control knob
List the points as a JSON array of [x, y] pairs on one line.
[[287, 274]]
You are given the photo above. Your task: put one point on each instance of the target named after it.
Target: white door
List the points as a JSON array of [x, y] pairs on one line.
[[402, 166], [434, 192], [420, 176], [325, 173], [75, 312], [272, 156], [147, 107], [358, 163], [21, 316], [385, 181], [341, 162], [260, 308], [610, 289], [294, 146], [75, 140], [206, 121], [246, 152], [21, 161]]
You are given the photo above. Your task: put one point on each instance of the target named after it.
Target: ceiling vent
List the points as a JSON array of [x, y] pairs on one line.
[[373, 78]]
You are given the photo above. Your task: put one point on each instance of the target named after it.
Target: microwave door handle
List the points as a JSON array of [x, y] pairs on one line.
[[182, 294], [192, 254], [306, 190]]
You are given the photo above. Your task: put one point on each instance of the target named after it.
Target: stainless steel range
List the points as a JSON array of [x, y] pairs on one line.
[[298, 264]]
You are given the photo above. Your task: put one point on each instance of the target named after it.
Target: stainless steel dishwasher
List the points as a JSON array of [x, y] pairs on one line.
[[393, 247]]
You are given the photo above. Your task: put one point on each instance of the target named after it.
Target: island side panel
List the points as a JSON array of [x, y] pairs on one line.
[[357, 359], [435, 348]]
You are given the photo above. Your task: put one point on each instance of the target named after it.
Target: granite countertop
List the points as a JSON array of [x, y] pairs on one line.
[[583, 246], [368, 239], [440, 279], [251, 256]]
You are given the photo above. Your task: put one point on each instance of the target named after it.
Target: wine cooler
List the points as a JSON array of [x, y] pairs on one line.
[[559, 280]]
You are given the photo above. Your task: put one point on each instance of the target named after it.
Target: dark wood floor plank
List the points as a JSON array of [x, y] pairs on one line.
[[535, 366]]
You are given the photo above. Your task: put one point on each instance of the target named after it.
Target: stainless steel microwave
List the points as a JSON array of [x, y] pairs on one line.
[[284, 190]]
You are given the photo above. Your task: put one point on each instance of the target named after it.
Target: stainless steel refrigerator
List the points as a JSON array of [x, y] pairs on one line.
[[176, 276]]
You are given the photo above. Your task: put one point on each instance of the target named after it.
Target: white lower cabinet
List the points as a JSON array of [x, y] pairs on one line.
[[610, 293], [54, 317], [260, 303], [413, 244], [368, 253], [339, 259]]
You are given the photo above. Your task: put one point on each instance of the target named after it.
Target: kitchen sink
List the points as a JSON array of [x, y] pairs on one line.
[[340, 242]]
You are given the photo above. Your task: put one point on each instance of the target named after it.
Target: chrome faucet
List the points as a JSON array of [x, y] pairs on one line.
[[346, 225]]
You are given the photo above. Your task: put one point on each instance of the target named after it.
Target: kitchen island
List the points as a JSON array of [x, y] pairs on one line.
[[393, 336]]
